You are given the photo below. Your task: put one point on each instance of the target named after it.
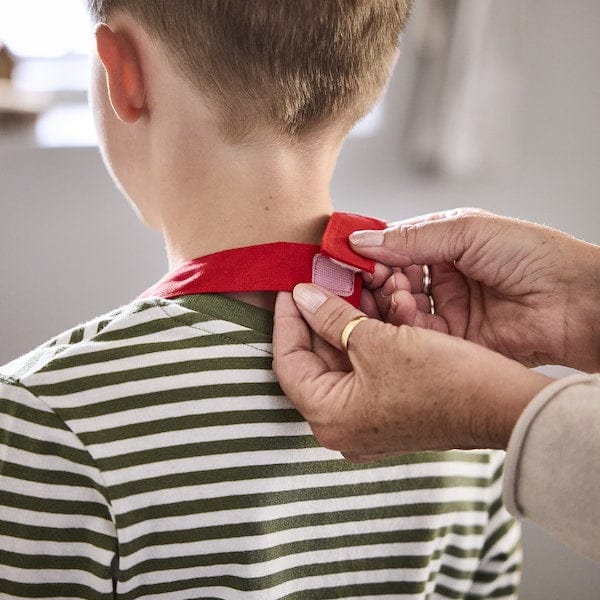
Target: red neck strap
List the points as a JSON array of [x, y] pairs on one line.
[[277, 267]]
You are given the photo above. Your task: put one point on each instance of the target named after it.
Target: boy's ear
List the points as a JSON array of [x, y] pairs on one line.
[[123, 73]]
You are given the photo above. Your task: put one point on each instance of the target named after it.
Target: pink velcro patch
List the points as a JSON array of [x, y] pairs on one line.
[[332, 276]]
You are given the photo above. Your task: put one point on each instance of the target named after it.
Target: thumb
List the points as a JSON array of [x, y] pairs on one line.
[[325, 313], [430, 239], [305, 378]]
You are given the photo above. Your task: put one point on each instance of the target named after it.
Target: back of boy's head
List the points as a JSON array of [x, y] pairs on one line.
[[292, 66]]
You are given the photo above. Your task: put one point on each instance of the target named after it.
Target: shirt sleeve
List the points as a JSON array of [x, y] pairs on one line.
[[498, 574], [552, 473], [57, 534]]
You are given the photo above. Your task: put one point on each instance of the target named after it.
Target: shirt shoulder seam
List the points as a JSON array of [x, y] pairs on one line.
[[205, 330]]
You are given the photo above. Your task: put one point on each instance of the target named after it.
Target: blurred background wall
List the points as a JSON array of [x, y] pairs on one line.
[[529, 146]]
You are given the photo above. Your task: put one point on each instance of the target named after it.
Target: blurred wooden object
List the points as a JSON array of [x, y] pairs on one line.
[[17, 106], [7, 62]]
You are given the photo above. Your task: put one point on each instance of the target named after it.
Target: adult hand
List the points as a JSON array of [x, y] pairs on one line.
[[398, 389], [525, 290]]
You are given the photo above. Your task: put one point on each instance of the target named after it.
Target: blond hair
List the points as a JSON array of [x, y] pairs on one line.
[[291, 65]]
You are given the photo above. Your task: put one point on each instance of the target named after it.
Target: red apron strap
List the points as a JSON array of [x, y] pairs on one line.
[[278, 266]]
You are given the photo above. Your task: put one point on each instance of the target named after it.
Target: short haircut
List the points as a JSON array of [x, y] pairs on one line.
[[290, 65]]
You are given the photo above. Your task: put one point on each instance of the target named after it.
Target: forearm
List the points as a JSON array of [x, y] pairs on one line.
[[552, 474]]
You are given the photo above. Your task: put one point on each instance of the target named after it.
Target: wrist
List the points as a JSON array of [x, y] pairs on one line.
[[595, 308], [527, 385], [505, 388], [583, 347]]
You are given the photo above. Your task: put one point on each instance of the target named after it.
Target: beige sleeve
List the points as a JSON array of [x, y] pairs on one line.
[[552, 469]]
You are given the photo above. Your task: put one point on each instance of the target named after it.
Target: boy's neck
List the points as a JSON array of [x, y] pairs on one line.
[[238, 196], [231, 206]]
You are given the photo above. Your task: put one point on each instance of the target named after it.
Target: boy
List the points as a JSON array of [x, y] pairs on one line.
[[149, 452]]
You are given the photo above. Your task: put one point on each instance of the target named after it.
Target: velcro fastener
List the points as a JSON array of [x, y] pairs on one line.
[[336, 246], [332, 276]]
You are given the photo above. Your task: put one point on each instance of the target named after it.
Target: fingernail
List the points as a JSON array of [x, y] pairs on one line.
[[387, 289], [308, 297], [367, 238]]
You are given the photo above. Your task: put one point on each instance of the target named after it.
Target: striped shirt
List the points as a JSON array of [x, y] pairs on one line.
[[150, 453]]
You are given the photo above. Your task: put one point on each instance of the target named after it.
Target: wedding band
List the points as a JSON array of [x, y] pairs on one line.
[[431, 305], [348, 330], [426, 280]]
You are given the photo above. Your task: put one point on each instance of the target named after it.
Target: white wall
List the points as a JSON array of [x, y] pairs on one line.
[[70, 247]]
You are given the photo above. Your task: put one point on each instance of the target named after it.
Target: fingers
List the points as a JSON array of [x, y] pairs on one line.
[[294, 361], [399, 308], [400, 297], [404, 308], [409, 278], [425, 320], [324, 312], [376, 279], [414, 275], [435, 238], [368, 305]]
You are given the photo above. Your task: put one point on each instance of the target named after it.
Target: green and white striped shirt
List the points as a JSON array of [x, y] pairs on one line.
[[151, 453]]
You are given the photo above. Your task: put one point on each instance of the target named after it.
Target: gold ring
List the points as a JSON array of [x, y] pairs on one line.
[[349, 329]]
